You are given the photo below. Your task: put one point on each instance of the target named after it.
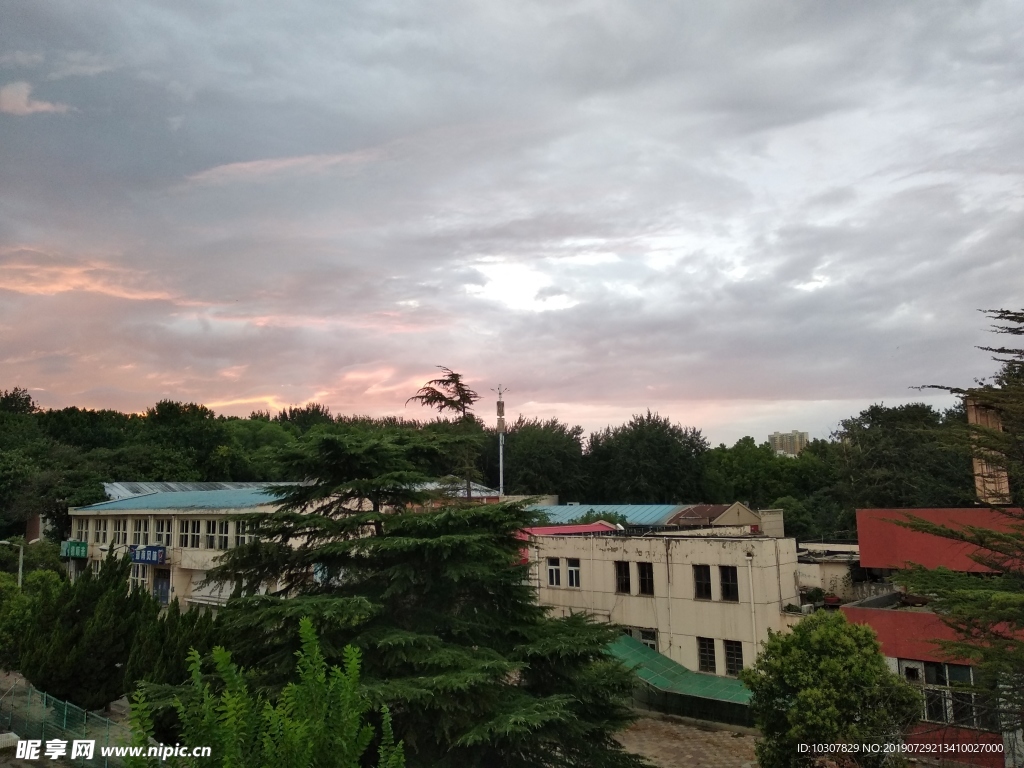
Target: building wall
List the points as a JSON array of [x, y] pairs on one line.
[[673, 611], [187, 566]]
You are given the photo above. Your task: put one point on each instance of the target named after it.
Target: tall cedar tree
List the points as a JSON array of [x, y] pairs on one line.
[[987, 612], [450, 393], [454, 643]]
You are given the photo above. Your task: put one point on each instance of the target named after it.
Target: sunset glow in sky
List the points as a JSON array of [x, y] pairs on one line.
[[748, 216]]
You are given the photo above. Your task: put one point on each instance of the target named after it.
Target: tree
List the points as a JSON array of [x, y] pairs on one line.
[[987, 611], [17, 400], [317, 722], [541, 457], [450, 393], [19, 609], [826, 682], [649, 460], [81, 639], [447, 393], [473, 669]]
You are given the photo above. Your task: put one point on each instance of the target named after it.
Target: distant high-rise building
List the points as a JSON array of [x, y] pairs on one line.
[[788, 443]]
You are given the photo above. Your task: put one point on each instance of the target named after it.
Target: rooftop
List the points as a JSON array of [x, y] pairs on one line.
[[234, 498], [635, 514]]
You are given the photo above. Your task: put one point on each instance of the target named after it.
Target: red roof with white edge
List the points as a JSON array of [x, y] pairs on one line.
[[563, 530], [883, 544]]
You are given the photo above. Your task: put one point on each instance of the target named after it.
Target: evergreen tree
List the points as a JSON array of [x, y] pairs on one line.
[[79, 641], [987, 611], [474, 671]]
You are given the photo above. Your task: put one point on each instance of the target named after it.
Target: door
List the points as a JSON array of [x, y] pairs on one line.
[[162, 585]]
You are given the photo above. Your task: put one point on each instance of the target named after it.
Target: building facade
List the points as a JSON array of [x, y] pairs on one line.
[[954, 712], [705, 601], [174, 537], [788, 443]]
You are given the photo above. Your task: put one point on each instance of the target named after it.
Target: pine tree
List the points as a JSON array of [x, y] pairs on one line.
[[474, 671], [987, 611]]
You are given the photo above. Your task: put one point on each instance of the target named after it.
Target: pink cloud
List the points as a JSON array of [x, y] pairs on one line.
[[253, 170], [16, 99]]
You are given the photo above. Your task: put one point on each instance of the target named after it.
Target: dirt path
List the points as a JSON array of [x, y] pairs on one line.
[[672, 744]]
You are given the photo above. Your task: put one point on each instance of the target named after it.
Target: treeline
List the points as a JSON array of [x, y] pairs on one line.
[[906, 456]]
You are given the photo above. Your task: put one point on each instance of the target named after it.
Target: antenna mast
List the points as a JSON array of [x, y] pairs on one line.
[[501, 441]]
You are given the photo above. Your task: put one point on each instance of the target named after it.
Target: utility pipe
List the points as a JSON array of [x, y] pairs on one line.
[[753, 616]]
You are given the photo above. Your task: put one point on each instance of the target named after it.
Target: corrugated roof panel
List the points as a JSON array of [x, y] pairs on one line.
[[236, 498], [636, 514], [661, 672]]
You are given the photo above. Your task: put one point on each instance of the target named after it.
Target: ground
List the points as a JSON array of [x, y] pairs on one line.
[[670, 743]]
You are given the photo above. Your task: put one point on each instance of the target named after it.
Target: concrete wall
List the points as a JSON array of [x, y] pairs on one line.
[[673, 611]]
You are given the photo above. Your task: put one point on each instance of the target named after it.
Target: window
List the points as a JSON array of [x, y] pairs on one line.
[[163, 532], [241, 537], [622, 577], [81, 529], [733, 656], [211, 534], [222, 534], [139, 576], [948, 695], [645, 575], [706, 655], [188, 533], [100, 532], [730, 583], [574, 572], [120, 532], [649, 637], [96, 565], [702, 582], [140, 532], [554, 572]]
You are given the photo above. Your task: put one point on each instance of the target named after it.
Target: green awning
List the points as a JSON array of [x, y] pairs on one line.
[[665, 674]]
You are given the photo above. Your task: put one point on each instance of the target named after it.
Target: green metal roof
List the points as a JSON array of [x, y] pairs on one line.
[[661, 672], [236, 498], [636, 514]]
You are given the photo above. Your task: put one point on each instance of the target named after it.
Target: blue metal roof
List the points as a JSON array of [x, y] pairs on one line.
[[635, 514], [236, 498]]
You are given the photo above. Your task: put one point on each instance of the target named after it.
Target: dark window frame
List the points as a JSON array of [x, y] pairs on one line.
[[622, 581], [645, 578], [733, 656], [706, 661], [729, 583], [702, 582]]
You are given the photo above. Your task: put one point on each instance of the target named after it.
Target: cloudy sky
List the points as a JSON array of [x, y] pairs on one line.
[[747, 216]]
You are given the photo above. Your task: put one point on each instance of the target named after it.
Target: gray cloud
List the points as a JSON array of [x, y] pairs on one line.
[[744, 215]]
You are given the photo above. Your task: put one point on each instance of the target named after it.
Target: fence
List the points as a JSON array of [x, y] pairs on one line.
[[33, 714]]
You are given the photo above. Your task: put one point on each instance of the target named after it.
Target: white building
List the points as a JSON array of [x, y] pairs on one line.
[[175, 537], [705, 601]]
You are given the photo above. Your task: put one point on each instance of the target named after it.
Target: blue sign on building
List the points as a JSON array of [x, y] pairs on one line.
[[149, 555]]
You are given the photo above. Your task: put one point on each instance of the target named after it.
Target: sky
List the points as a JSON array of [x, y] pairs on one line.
[[745, 216]]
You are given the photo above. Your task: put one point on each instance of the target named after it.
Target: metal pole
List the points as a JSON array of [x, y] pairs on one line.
[[501, 467], [21, 563]]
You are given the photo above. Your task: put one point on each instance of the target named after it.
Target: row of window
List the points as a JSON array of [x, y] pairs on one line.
[[706, 658], [192, 534], [728, 578]]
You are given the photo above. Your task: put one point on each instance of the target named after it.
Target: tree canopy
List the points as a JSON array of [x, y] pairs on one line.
[[826, 682]]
